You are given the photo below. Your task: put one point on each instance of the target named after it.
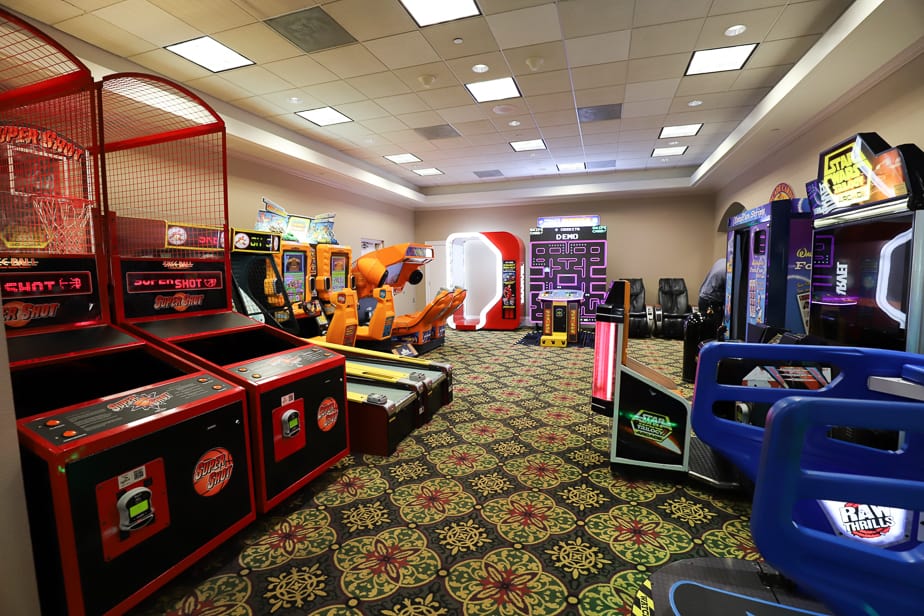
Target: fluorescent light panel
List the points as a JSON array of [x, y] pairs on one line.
[[530, 144], [210, 54], [677, 150], [323, 116], [721, 59], [429, 12], [403, 158], [570, 166], [428, 171], [681, 130], [493, 90]]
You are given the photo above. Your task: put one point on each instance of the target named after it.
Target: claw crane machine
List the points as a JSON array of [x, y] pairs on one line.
[[135, 462]]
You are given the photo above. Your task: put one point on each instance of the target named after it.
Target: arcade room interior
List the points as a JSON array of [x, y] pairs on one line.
[[438, 307]]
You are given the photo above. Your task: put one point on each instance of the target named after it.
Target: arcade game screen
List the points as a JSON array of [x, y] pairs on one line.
[[860, 283], [293, 275], [338, 271]]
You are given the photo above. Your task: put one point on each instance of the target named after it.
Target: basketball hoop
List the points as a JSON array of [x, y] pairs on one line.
[[65, 221]]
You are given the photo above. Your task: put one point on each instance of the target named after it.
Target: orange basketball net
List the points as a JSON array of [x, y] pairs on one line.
[[66, 222]]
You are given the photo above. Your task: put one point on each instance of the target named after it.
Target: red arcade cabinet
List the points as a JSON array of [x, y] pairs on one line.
[[165, 186], [489, 266], [135, 462]]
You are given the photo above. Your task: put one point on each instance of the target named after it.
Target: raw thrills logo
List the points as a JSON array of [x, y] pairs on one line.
[[840, 280], [866, 521], [148, 402], [213, 471], [178, 301]]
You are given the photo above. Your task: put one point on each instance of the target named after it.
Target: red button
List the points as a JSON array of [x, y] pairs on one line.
[[69, 433], [51, 423]]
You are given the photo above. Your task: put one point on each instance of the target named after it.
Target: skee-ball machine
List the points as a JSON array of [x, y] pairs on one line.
[[166, 185], [135, 462]]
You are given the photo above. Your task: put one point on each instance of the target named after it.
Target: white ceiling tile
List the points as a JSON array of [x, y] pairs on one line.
[[292, 100], [219, 87], [401, 50], [362, 110], [101, 33], [385, 125], [462, 67], [555, 118], [608, 127], [260, 106], [465, 113], [599, 75], [258, 42], [349, 61], [600, 96], [475, 128], [801, 18], [544, 57], [529, 26], [47, 11], [439, 71], [265, 9], [403, 103], [208, 17], [147, 21], [585, 17], [475, 34], [652, 12], [703, 84], [764, 77], [336, 93], [646, 108], [598, 49], [256, 79], [442, 98], [551, 102], [544, 83], [300, 71], [647, 90], [663, 67], [758, 24], [379, 84], [348, 130], [84, 5], [421, 119], [562, 130], [370, 20], [785, 51], [665, 39]]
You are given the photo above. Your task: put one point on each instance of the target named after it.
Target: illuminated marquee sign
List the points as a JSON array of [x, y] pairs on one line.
[[162, 282], [45, 284], [255, 241], [43, 138], [194, 237]]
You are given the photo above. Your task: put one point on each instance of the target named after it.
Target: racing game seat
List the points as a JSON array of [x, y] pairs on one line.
[[675, 306]]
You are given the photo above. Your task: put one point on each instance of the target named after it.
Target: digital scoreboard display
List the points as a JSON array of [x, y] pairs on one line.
[[45, 284], [163, 282]]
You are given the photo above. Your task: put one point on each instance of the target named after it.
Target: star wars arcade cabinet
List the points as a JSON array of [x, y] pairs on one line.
[[166, 188], [135, 462], [868, 255]]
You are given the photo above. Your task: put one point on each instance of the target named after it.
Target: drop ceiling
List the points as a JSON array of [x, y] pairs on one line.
[[403, 86]]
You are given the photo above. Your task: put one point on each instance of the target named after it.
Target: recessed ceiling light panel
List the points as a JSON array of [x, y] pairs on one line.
[[403, 158], [735, 30], [674, 151], [429, 12], [324, 116], [719, 60], [428, 171], [210, 54], [570, 167], [530, 144], [681, 130], [493, 90]]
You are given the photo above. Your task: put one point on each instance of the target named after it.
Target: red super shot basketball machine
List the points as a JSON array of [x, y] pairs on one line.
[[165, 186], [135, 461]]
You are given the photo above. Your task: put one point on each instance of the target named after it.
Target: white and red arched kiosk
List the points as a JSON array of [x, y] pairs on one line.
[[489, 265]]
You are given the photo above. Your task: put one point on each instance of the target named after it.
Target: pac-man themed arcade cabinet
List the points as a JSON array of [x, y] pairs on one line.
[[869, 245], [135, 462], [166, 202]]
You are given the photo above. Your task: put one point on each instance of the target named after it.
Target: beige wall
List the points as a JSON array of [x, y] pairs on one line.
[[647, 237], [894, 108]]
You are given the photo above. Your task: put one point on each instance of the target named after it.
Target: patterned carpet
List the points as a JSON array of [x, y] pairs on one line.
[[504, 504]]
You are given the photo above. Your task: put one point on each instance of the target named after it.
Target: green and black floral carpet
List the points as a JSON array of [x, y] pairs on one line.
[[504, 504]]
